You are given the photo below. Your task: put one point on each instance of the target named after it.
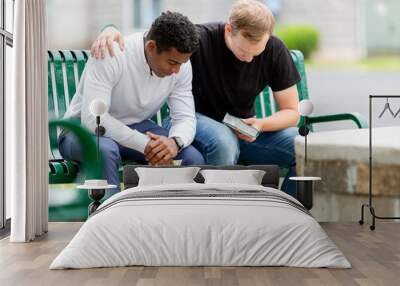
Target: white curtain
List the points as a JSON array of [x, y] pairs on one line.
[[27, 123]]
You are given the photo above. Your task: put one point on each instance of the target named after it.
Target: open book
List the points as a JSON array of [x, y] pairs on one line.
[[239, 125]]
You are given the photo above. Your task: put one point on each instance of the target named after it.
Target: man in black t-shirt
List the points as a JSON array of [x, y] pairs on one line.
[[235, 61]]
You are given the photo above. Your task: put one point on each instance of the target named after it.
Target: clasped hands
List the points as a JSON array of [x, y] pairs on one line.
[[160, 150]]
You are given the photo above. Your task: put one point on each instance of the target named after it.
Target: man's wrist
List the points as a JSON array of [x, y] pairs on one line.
[[260, 125], [178, 142]]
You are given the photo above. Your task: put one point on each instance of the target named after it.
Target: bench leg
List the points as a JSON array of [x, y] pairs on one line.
[[95, 195]]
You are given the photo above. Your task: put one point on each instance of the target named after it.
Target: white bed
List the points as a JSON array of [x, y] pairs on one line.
[[222, 225]]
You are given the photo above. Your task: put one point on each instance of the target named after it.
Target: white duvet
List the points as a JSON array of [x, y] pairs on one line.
[[206, 230]]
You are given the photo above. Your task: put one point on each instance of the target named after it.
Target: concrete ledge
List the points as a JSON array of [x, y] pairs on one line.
[[351, 177], [353, 144], [344, 208], [341, 159]]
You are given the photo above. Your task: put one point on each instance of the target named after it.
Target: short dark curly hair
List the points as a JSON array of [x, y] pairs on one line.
[[173, 30]]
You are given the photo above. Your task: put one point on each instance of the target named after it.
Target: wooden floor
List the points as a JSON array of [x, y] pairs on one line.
[[375, 257]]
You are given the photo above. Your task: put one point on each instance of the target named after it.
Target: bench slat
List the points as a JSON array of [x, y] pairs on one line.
[[51, 112], [81, 58], [164, 111], [70, 73], [59, 78], [259, 111], [267, 102]]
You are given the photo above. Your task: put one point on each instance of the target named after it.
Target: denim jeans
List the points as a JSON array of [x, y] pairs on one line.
[[114, 153], [220, 146]]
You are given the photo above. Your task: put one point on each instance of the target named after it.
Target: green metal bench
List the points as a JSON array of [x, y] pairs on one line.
[[65, 69]]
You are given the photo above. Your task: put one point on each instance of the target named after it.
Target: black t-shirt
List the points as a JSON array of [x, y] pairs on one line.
[[222, 83]]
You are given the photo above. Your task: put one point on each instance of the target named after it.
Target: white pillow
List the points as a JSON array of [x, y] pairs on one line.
[[248, 177], [166, 176]]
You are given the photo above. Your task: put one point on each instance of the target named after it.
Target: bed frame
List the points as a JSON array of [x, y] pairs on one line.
[[270, 179]]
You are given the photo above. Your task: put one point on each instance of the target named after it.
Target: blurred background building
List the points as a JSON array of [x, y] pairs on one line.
[[76, 23], [349, 29]]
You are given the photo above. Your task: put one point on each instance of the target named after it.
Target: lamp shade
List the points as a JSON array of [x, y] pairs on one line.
[[305, 107], [98, 107]]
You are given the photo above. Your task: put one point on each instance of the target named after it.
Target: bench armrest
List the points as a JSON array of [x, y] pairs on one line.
[[356, 117]]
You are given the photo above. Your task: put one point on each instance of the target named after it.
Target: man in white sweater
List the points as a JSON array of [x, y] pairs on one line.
[[134, 84]]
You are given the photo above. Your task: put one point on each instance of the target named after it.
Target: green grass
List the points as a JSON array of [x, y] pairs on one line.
[[382, 63]]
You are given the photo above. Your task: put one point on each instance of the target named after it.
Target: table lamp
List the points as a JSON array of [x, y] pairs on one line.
[[304, 185], [97, 187], [97, 108], [305, 108]]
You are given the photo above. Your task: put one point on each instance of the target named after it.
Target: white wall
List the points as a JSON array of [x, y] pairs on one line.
[[68, 24], [74, 24], [105, 12], [200, 11]]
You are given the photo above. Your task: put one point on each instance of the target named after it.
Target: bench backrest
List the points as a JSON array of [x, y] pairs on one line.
[[65, 69]]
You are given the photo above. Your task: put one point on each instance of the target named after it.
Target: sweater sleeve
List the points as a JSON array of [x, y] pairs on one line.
[[181, 107], [100, 78]]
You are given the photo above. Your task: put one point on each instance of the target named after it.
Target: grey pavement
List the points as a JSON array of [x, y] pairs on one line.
[[338, 91]]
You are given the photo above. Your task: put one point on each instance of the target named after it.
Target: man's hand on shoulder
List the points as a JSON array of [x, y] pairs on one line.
[[103, 45], [160, 150]]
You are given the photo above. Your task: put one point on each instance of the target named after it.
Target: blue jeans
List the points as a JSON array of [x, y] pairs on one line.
[[114, 153], [220, 146]]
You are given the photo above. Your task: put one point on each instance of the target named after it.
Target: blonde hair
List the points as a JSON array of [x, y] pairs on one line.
[[252, 18]]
